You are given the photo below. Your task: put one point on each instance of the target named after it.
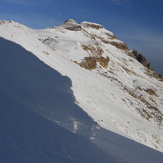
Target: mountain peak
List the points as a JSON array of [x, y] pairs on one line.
[[71, 24], [70, 21]]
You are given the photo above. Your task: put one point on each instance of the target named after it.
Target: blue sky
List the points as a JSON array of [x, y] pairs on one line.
[[139, 23]]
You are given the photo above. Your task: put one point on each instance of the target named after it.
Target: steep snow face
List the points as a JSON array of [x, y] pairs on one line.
[[122, 97]]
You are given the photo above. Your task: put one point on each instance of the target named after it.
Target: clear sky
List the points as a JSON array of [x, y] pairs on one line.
[[139, 23]]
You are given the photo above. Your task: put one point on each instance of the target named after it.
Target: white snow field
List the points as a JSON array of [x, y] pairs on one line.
[[95, 104]]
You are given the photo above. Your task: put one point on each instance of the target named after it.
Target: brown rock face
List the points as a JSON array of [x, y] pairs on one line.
[[91, 25], [110, 40], [94, 50], [103, 61], [90, 63], [122, 46]]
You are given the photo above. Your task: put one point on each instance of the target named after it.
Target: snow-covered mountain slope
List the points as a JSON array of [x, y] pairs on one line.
[[108, 82], [28, 87]]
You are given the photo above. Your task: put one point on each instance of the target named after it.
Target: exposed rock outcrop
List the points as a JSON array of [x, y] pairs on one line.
[[119, 45], [72, 25], [91, 25], [90, 63], [94, 50], [142, 59], [144, 62]]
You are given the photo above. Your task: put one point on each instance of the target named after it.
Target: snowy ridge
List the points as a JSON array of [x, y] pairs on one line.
[[118, 93]]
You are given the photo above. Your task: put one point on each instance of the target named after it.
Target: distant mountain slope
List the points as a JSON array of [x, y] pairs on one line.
[[108, 80]]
